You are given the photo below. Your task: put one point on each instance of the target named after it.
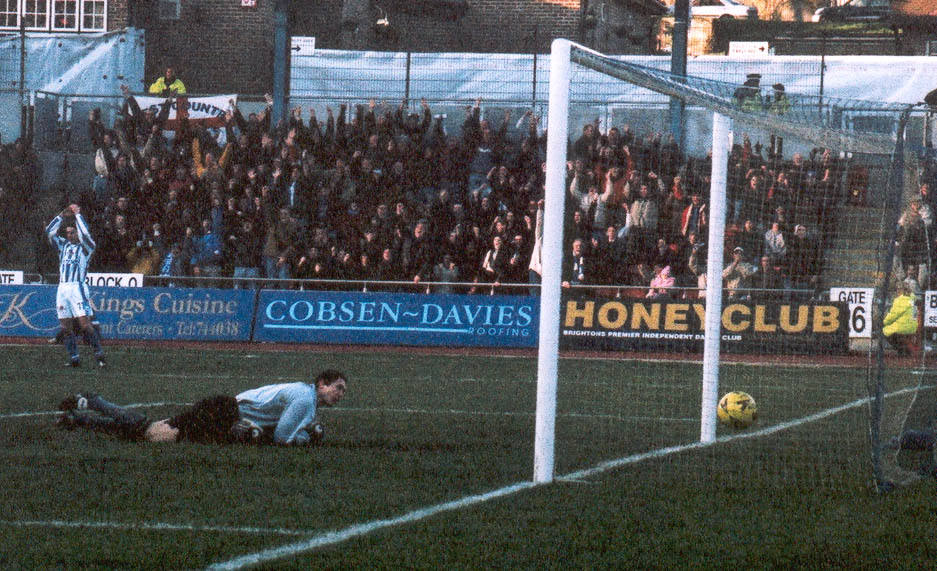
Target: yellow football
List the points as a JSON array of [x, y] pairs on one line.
[[737, 410]]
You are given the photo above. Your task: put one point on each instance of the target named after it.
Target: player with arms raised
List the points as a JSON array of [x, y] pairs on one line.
[[72, 300]]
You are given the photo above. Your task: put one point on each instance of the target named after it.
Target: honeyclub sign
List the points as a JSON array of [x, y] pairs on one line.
[[397, 319], [679, 326]]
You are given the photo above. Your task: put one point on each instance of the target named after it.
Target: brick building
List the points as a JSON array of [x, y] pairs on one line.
[[227, 45], [918, 21]]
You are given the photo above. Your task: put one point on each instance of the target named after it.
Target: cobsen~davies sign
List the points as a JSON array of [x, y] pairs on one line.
[[679, 326], [397, 319]]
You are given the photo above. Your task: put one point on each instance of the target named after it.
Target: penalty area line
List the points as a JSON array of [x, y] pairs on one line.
[[153, 526], [358, 530], [333, 537]]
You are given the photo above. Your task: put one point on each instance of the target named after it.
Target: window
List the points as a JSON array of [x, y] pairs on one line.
[[170, 9], [36, 14], [94, 15], [9, 14], [54, 15], [65, 15], [931, 48], [871, 123]]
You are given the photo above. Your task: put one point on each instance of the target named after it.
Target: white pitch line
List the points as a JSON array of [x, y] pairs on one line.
[[117, 349], [154, 526], [358, 530], [52, 412], [395, 411], [612, 464], [506, 413], [333, 537]]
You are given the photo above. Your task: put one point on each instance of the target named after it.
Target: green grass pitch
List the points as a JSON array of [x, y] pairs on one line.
[[419, 431]]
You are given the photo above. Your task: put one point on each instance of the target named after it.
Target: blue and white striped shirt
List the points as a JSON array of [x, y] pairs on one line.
[[73, 258]]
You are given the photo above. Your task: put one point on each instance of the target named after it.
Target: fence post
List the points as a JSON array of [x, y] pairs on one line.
[[406, 86], [822, 67], [533, 88], [280, 60], [23, 103], [678, 62]]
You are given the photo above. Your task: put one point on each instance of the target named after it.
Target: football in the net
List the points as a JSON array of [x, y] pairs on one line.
[[737, 410]]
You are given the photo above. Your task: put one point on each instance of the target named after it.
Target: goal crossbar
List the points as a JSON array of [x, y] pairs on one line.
[[808, 117]]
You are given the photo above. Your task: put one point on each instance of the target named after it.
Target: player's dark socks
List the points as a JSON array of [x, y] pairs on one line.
[[123, 428], [97, 329], [119, 413], [92, 337], [71, 345]]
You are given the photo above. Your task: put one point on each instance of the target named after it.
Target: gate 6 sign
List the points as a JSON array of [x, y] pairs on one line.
[[860, 308]]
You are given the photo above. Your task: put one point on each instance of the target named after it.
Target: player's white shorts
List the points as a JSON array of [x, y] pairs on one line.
[[71, 300]]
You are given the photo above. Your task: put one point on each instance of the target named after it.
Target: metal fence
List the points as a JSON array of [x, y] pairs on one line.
[[614, 291], [12, 93], [516, 81], [60, 120]]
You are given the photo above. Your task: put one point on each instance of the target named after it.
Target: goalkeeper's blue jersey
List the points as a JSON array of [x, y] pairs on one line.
[[73, 258], [290, 407]]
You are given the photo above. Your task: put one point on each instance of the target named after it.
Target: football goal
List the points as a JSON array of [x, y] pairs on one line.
[[766, 252]]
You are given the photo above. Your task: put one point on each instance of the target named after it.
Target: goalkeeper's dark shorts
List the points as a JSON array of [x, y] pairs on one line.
[[208, 421]]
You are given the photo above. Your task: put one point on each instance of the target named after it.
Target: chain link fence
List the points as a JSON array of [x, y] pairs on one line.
[[12, 94], [503, 81]]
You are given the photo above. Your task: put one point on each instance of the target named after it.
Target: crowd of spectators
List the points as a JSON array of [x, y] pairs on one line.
[[20, 170], [917, 239], [380, 193]]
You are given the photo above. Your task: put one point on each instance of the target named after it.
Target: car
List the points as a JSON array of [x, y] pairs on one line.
[[854, 11], [719, 9]]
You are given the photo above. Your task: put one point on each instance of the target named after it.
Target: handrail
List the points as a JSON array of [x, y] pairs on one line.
[[482, 288]]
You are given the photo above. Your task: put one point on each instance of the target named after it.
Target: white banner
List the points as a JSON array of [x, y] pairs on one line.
[[207, 110], [114, 280], [302, 45], [860, 308], [930, 308], [11, 277], [750, 49]]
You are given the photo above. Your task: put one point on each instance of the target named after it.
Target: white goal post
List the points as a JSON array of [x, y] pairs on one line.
[[555, 191]]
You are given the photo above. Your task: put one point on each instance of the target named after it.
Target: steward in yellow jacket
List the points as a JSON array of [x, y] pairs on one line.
[[902, 317], [168, 85]]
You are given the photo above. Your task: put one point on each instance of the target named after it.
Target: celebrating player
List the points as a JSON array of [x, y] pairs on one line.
[[281, 414], [72, 299]]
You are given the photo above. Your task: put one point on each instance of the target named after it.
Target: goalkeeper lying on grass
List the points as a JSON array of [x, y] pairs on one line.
[[279, 414]]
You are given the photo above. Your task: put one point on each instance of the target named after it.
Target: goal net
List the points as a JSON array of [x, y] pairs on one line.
[[778, 246]]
